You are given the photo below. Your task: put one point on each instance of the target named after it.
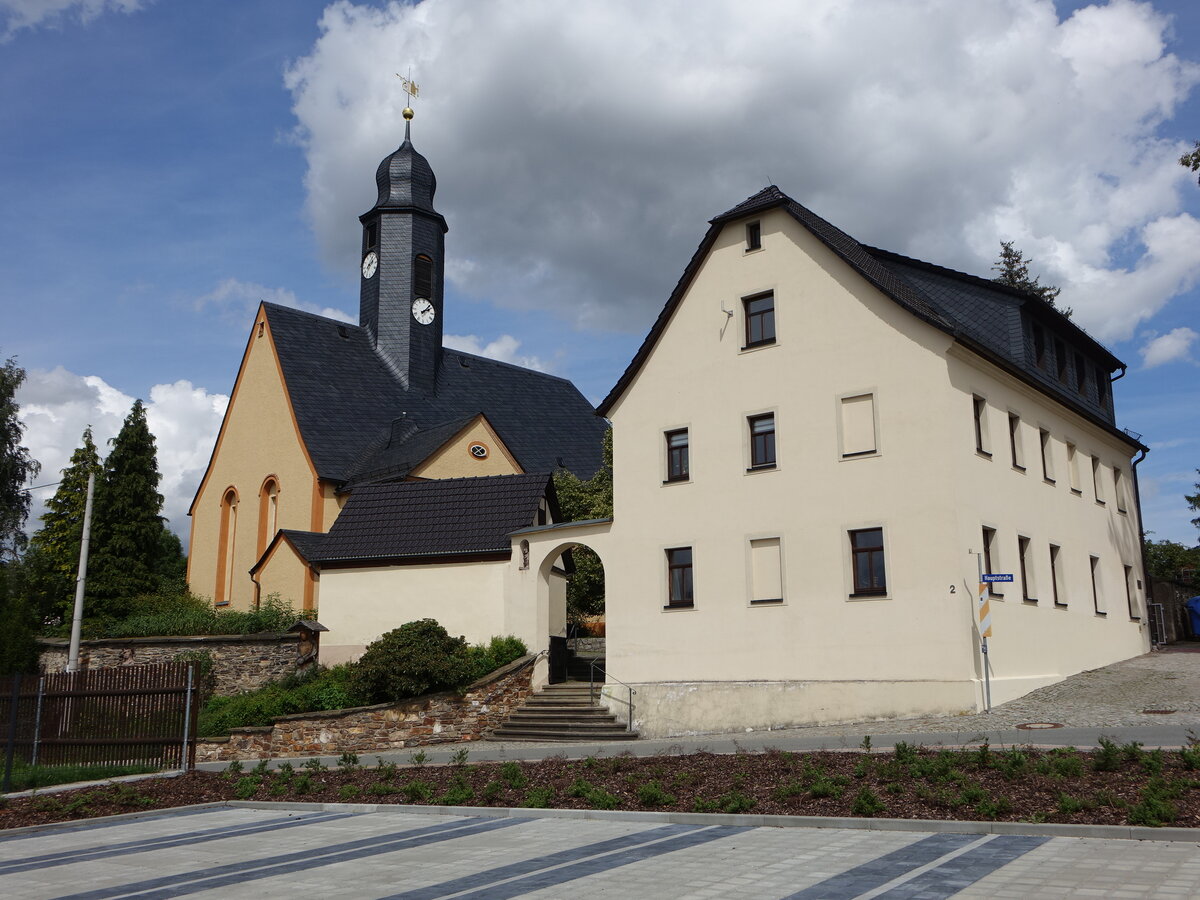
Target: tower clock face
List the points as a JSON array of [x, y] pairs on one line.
[[423, 311], [370, 264]]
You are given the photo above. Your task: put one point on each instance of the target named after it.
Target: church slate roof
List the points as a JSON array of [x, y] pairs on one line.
[[983, 315], [346, 400], [439, 518]]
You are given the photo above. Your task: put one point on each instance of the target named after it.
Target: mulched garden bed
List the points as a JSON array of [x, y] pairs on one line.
[[1115, 785]]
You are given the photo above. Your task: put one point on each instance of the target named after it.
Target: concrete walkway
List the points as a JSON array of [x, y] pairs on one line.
[[334, 851], [1109, 702]]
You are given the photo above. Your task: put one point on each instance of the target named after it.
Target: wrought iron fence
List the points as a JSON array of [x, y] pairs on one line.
[[142, 715]]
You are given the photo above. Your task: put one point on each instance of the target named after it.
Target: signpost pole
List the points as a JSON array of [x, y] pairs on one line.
[[985, 629]]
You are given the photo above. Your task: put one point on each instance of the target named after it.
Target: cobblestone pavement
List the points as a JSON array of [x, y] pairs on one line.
[[345, 851]]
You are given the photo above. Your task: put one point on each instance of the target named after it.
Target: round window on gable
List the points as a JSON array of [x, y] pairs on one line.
[[478, 450]]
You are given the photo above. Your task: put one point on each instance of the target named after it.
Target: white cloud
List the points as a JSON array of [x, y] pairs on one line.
[[18, 14], [56, 406], [503, 348], [580, 147], [237, 301], [1169, 347]]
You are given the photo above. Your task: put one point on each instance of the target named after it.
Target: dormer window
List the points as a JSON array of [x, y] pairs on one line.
[[1039, 346], [753, 236], [1081, 375], [1060, 360]]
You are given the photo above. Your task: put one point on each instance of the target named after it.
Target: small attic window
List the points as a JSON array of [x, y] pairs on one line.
[[342, 332], [371, 237], [753, 236], [479, 450]]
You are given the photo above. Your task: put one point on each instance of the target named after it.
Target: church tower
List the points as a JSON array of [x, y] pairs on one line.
[[403, 257]]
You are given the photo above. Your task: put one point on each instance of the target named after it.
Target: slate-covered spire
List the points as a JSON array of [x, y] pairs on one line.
[[406, 180], [403, 244]]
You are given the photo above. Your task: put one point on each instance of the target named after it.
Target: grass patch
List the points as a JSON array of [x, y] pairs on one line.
[[26, 778]]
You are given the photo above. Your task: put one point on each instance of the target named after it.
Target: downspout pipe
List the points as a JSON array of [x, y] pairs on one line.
[[1137, 500]]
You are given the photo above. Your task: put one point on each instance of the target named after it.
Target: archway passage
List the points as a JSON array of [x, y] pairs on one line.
[[572, 574]]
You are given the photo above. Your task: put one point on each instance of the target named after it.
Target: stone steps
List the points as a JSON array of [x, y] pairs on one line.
[[562, 712]]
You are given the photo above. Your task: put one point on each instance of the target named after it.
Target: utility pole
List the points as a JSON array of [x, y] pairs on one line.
[[81, 578]]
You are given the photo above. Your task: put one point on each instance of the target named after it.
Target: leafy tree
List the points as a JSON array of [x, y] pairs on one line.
[[578, 500], [130, 554], [1193, 500], [1014, 272], [1169, 561], [53, 557], [1192, 160], [16, 466]]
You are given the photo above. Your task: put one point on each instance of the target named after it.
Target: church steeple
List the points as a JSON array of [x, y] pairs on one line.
[[403, 258]]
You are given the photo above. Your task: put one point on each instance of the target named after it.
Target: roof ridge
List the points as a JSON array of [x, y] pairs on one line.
[[312, 315], [500, 362]]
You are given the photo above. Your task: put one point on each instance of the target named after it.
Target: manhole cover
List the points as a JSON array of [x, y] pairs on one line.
[[1035, 726], [1158, 712]]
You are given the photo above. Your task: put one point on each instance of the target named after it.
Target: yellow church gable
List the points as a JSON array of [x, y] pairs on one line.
[[475, 450]]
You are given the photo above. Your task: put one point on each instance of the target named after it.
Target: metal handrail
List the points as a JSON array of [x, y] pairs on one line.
[[592, 688]]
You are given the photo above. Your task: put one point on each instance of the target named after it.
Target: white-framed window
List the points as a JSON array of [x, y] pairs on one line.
[[1057, 585], [753, 236], [766, 571], [1028, 586], [678, 451], [1014, 442], [1047, 455], [1098, 605], [1119, 491], [979, 410], [1073, 468], [991, 561], [858, 426], [1097, 480]]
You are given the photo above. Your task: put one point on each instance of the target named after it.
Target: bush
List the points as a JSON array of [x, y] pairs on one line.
[[500, 651], [320, 690], [414, 659], [168, 614]]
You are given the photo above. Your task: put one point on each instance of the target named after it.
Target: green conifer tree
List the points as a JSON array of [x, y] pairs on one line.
[[127, 525], [1014, 272], [52, 560]]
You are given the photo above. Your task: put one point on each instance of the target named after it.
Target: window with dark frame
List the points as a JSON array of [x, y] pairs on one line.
[[1103, 389], [762, 441], [1039, 346], [1081, 374], [679, 578], [866, 560], [760, 320], [989, 546], [677, 455], [372, 235], [753, 236], [1054, 550], [1023, 552], [1095, 563]]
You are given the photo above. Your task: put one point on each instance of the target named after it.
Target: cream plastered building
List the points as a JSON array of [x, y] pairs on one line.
[[321, 408], [816, 450]]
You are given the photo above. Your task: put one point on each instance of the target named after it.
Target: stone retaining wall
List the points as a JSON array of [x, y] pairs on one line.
[[240, 662], [432, 719]]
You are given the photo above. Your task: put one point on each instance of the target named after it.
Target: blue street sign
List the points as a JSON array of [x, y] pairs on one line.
[[995, 579]]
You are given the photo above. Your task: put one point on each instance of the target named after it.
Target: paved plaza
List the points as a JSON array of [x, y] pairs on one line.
[[345, 851]]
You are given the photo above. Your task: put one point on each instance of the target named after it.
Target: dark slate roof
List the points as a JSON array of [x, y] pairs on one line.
[[984, 315], [346, 402], [405, 180], [444, 517]]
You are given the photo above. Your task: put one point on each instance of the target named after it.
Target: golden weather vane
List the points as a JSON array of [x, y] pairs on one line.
[[412, 89]]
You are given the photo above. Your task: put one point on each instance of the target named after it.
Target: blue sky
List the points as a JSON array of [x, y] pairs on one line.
[[166, 165]]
